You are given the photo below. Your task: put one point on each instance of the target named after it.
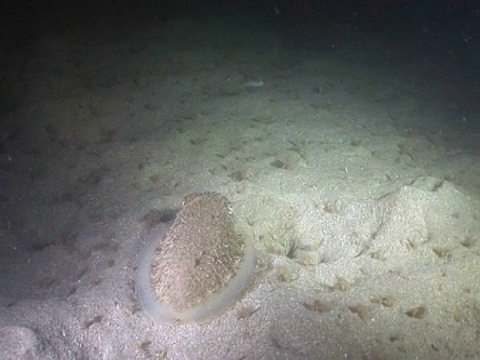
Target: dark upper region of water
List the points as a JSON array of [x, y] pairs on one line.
[[399, 17]]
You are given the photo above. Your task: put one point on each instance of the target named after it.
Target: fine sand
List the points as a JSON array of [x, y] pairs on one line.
[[354, 169]]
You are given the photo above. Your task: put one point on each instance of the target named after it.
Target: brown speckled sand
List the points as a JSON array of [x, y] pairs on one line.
[[200, 253]]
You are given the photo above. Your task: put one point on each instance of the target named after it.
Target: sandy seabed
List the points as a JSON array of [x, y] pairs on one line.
[[357, 182]]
